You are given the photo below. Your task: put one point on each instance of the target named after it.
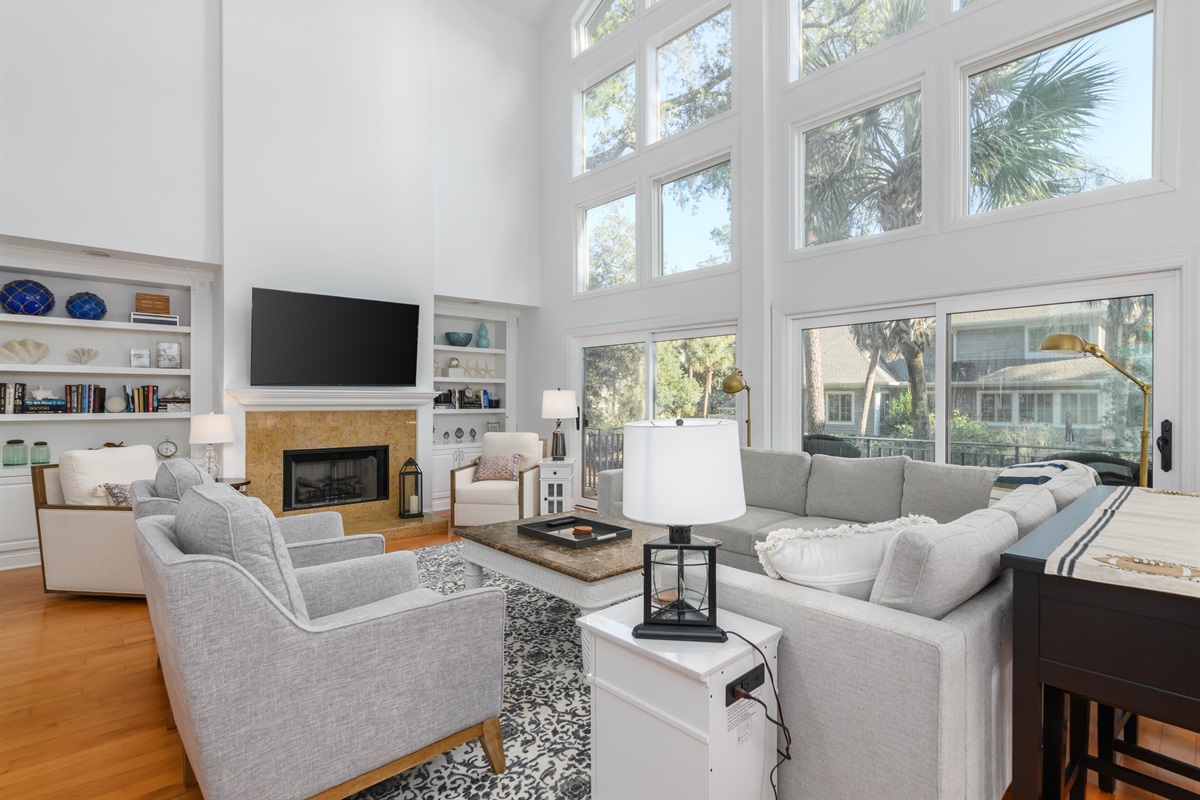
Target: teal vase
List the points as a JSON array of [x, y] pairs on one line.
[[481, 337]]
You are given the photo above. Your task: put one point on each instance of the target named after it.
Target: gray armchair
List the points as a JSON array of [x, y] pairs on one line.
[[294, 682], [311, 538]]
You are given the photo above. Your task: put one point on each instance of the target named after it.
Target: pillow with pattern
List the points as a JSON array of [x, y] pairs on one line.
[[121, 494], [498, 468]]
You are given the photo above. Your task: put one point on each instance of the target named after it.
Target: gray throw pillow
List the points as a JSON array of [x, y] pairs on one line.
[[176, 475], [858, 489], [930, 570], [217, 520]]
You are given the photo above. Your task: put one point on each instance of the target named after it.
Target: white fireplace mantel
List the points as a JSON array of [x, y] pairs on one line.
[[335, 398]]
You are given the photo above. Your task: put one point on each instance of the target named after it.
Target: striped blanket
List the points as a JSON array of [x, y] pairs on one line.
[[1144, 538]]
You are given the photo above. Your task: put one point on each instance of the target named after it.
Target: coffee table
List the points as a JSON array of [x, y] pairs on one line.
[[591, 578]]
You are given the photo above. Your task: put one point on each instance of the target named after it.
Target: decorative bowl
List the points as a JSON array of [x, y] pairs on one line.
[[85, 305], [25, 296], [458, 338]]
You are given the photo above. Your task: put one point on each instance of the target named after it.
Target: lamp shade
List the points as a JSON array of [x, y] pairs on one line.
[[1068, 342], [683, 472], [559, 404], [211, 429]]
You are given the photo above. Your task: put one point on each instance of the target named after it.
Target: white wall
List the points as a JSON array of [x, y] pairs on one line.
[[1127, 235], [485, 155], [109, 126]]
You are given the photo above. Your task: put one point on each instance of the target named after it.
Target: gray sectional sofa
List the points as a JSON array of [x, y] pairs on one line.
[[907, 695]]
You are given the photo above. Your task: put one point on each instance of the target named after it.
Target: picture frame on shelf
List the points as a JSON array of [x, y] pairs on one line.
[[170, 355], [139, 357], [494, 427]]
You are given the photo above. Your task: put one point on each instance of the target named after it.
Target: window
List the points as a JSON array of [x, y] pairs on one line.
[[889, 363], [834, 30], [1079, 409], [862, 173], [1098, 409], [1068, 119], [606, 17], [695, 75], [1035, 407], [611, 241], [839, 407], [609, 118], [614, 392], [688, 375], [695, 213], [995, 407]]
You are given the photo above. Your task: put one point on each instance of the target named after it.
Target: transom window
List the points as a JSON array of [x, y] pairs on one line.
[[1068, 119], [695, 219], [695, 75], [610, 237], [610, 118], [862, 173], [605, 17], [833, 30]]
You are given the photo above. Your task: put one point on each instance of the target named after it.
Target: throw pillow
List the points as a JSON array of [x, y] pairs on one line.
[[498, 468], [119, 493], [1034, 475], [843, 560]]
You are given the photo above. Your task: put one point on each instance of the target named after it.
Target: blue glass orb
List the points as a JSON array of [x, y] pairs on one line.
[[85, 305], [25, 296]]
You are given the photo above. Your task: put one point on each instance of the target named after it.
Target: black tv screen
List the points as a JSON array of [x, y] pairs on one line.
[[301, 339]]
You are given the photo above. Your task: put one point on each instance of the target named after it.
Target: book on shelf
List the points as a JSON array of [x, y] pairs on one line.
[[154, 319], [13, 399]]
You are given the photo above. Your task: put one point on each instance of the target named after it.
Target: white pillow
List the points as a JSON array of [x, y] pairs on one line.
[[83, 473], [842, 560]]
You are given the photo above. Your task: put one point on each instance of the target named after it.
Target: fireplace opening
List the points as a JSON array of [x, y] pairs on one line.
[[334, 476]]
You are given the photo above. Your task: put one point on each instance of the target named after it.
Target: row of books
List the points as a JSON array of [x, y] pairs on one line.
[[87, 398], [465, 399]]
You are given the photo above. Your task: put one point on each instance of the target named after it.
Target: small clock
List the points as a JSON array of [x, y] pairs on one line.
[[469, 393], [167, 449]]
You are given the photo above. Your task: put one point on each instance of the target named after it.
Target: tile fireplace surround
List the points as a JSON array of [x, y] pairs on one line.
[[269, 433]]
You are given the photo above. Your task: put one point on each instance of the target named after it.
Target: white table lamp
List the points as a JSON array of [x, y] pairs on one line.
[[211, 429], [681, 473], [559, 404]]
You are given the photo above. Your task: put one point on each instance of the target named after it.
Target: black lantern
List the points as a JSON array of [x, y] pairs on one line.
[[680, 595], [410, 490]]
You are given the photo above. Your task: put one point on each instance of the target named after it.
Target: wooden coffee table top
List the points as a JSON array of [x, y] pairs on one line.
[[588, 564]]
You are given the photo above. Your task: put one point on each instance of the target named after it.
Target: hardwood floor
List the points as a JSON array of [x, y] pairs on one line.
[[83, 710]]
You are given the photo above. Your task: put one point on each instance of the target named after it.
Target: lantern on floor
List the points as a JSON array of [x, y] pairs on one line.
[[410, 490], [680, 473]]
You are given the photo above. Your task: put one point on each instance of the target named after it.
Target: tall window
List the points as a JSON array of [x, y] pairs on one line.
[[695, 75], [862, 173], [695, 213], [611, 243], [833, 30], [610, 118], [1070, 402], [1065, 120], [883, 368], [606, 17]]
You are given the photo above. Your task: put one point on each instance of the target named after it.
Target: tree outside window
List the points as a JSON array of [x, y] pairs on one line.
[[695, 75], [610, 118], [834, 30], [610, 233]]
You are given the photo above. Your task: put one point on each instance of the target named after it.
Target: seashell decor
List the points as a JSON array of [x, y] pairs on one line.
[[25, 351], [114, 405], [42, 393], [82, 355]]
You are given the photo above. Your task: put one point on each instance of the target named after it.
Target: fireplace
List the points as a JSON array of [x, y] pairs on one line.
[[334, 476]]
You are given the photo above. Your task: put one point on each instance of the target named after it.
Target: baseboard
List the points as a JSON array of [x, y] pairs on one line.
[[20, 559]]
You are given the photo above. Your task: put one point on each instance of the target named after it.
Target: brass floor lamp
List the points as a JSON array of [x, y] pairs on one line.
[[734, 383], [1069, 342]]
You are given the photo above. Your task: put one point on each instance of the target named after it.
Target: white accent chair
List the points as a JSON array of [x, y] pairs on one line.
[[484, 502]]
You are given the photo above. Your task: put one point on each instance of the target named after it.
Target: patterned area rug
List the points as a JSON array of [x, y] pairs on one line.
[[546, 716]]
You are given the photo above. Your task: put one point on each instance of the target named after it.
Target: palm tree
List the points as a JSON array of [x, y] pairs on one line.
[[814, 383], [880, 340], [912, 337]]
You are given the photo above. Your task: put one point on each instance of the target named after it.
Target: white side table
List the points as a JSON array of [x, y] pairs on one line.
[[660, 726], [558, 485]]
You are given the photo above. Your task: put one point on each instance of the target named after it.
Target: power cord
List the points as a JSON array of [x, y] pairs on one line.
[[740, 693]]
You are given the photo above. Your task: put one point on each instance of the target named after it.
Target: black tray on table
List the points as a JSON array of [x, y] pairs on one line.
[[559, 531]]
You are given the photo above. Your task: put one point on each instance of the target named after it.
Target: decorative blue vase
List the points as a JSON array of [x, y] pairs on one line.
[[85, 305], [481, 339], [28, 297]]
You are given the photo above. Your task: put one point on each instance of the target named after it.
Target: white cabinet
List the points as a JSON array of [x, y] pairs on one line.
[[657, 705], [18, 524], [448, 457], [558, 485]]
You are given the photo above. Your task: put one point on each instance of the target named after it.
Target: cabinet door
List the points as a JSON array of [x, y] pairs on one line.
[[468, 454], [443, 462]]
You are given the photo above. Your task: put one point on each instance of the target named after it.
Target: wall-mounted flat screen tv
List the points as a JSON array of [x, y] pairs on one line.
[[299, 339]]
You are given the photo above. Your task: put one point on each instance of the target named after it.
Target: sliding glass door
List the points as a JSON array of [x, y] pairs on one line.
[[614, 392]]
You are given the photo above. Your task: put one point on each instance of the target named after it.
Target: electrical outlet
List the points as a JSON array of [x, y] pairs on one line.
[[748, 682]]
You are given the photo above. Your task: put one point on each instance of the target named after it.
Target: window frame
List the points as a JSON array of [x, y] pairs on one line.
[[620, 59], [1163, 172], [799, 126], [1002, 398], [584, 13], [668, 34], [839, 393], [794, 50], [579, 284], [656, 276]]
